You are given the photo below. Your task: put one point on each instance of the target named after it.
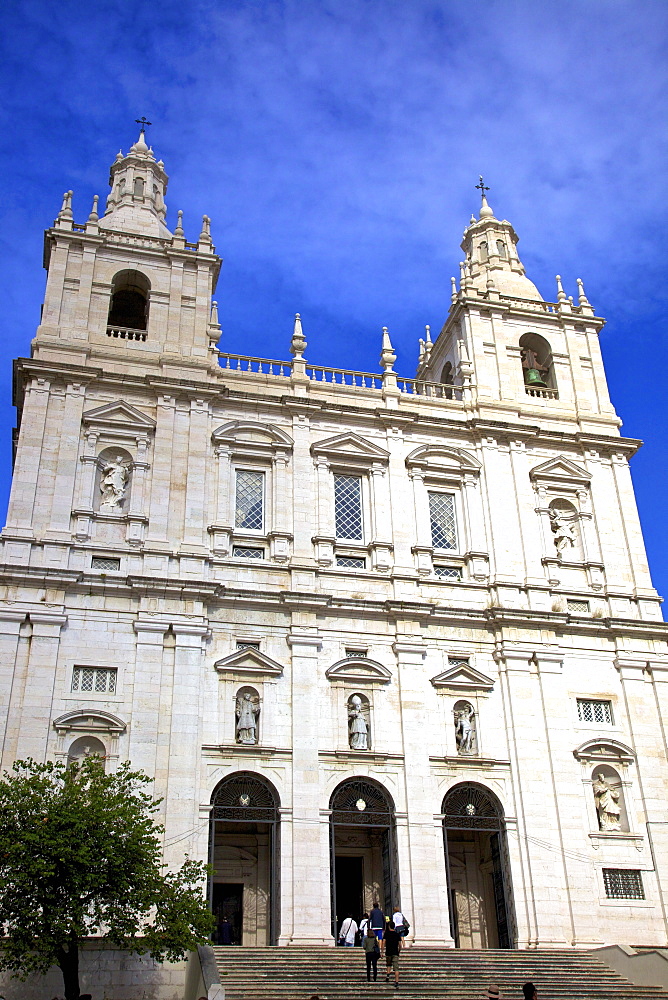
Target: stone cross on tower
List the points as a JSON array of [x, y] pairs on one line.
[[143, 122]]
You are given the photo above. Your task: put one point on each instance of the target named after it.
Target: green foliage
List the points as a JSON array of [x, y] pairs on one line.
[[80, 854]]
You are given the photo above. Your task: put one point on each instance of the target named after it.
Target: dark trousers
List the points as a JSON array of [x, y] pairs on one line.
[[371, 959]]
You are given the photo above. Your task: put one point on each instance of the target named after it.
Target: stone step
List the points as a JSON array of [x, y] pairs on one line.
[[426, 974]]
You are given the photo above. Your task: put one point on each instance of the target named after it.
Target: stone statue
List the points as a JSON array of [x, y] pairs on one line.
[[607, 804], [563, 528], [247, 712], [359, 730], [113, 483], [464, 732]]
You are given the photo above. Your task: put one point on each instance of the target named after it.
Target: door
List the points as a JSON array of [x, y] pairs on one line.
[[228, 902], [349, 888]]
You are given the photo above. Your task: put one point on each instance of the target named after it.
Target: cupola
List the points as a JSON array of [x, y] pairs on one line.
[[138, 185]]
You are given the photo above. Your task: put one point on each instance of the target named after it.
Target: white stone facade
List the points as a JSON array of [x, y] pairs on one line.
[[462, 552]]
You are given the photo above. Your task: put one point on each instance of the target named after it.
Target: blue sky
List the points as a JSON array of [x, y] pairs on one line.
[[336, 146]]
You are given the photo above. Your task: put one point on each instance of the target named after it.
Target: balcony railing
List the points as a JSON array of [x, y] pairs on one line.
[[126, 333], [532, 390], [432, 390], [260, 366], [340, 376]]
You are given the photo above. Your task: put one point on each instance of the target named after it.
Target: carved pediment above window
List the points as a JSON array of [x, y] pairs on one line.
[[462, 677], [120, 418], [347, 449], [604, 751], [91, 721], [442, 463], [249, 662], [358, 670], [251, 438], [560, 472]]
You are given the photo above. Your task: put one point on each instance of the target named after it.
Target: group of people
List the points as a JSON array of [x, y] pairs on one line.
[[378, 935]]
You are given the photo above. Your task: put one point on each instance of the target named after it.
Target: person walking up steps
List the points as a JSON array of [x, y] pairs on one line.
[[348, 931], [377, 921], [371, 953], [392, 947]]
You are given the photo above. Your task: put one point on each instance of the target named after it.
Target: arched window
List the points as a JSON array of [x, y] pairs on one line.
[[447, 378], [129, 301], [609, 799], [482, 250], [537, 363], [501, 249], [139, 187]]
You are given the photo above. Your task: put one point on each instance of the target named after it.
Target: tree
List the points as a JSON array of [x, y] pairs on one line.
[[80, 854]]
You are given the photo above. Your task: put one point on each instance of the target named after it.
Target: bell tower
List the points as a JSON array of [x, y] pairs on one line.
[[123, 286], [508, 344]]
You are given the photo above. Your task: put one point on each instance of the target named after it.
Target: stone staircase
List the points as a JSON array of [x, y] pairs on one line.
[[438, 973]]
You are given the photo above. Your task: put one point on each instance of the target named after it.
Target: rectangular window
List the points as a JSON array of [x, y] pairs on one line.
[[249, 512], [242, 644], [590, 710], [458, 661], [578, 607], [246, 552], [348, 507], [443, 523], [448, 572], [99, 679], [105, 562], [352, 562], [356, 652], [623, 883]]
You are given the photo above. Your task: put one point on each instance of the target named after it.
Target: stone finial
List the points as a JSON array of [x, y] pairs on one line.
[[213, 319], [205, 235], [65, 213], [421, 354], [427, 343], [561, 294], [387, 355], [298, 342], [582, 298], [94, 217], [485, 211], [453, 286], [179, 224]]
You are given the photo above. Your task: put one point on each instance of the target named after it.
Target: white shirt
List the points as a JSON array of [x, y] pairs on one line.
[[348, 930], [398, 918]]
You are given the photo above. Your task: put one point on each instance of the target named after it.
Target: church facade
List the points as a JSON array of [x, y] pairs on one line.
[[374, 637]]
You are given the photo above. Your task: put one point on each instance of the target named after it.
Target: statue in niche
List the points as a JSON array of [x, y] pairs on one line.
[[113, 484], [607, 804], [564, 530], [357, 724], [247, 711], [464, 729]]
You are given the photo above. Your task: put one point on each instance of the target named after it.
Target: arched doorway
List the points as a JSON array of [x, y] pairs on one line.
[[363, 862], [476, 856], [244, 857]]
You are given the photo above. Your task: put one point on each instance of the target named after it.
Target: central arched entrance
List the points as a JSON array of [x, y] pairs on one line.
[[362, 849], [244, 857], [476, 856]]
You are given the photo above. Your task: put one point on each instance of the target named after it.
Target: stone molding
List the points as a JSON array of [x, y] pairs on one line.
[[249, 662], [89, 721], [604, 751], [462, 677], [358, 670]]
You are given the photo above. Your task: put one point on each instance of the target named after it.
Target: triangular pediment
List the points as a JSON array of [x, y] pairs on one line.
[[561, 469], [463, 677], [350, 446], [359, 670], [119, 414], [250, 662]]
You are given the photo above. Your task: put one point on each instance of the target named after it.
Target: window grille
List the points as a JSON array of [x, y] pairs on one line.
[[623, 883], [578, 606], [458, 661], [352, 562], [242, 644], [443, 524], [246, 552], [357, 652], [448, 572], [590, 710], [103, 562], [348, 507], [102, 680], [249, 503]]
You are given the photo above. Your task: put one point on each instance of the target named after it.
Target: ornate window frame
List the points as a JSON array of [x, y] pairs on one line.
[[92, 722]]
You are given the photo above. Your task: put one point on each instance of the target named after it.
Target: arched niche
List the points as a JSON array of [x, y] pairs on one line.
[[86, 746], [359, 721], [537, 364], [483, 252], [608, 792], [247, 716], [565, 525], [501, 249], [466, 728], [244, 856], [113, 480], [128, 308]]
